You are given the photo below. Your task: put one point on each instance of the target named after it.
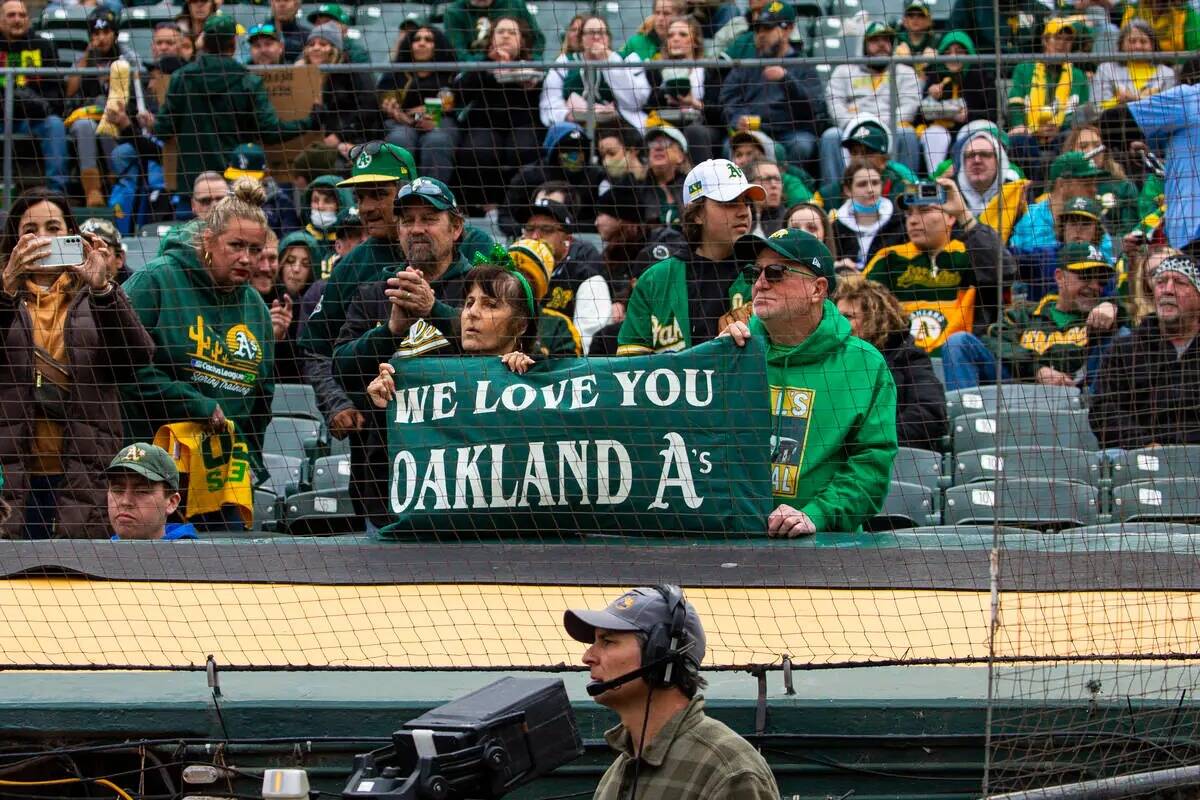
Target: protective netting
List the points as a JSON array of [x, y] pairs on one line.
[[414, 325]]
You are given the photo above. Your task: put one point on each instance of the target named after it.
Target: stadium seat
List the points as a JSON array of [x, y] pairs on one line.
[[139, 40], [1014, 398], [939, 370], [913, 465], [1176, 499], [1050, 429], [320, 513], [1155, 464], [286, 474], [1055, 463], [295, 400], [553, 17], [1136, 535], [266, 511], [247, 15], [156, 229], [908, 505], [65, 17], [295, 436], [1041, 504], [624, 19], [389, 16], [148, 16], [331, 472]]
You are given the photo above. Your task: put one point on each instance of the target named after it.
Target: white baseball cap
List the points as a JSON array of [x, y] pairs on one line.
[[720, 179]]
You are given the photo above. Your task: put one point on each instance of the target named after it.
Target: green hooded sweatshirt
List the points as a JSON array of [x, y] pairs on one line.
[[214, 349], [324, 237], [834, 403], [212, 105]]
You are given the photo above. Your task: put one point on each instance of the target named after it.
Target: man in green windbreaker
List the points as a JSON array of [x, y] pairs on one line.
[[214, 104], [832, 395]]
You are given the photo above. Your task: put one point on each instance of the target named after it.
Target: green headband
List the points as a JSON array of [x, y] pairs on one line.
[[499, 256]]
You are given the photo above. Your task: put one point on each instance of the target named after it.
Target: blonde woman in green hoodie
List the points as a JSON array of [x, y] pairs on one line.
[[832, 395]]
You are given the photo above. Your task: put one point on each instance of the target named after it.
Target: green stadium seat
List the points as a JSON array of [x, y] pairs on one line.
[[139, 250], [331, 472], [939, 370], [1012, 397], [139, 40], [1028, 462], [1155, 464], [148, 16], [295, 436], [295, 400], [389, 16], [908, 505], [913, 465], [378, 44], [553, 17], [65, 17], [156, 229], [1049, 429], [286, 474], [266, 511], [320, 513], [1176, 499], [1041, 504]]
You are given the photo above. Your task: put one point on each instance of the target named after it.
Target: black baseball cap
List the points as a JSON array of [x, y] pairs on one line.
[[551, 208]]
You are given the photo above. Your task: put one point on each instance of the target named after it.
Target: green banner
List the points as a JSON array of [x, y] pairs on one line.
[[642, 446]]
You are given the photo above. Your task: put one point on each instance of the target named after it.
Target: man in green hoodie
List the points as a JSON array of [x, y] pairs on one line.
[[214, 104], [832, 394]]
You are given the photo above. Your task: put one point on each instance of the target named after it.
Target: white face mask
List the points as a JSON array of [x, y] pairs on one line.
[[324, 219]]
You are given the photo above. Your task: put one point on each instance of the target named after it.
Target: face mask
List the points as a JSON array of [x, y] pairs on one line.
[[617, 166], [571, 160], [859, 208], [324, 219]]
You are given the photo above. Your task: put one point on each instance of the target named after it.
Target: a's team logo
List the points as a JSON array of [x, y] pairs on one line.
[[624, 602], [133, 453], [242, 344], [363, 162], [734, 170], [775, 7], [863, 133], [927, 326], [779, 234], [1094, 253]]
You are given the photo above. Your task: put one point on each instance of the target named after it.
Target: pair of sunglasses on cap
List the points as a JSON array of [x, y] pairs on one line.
[[774, 272]]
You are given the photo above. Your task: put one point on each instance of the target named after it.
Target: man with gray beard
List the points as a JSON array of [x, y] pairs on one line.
[[428, 287], [1149, 387]]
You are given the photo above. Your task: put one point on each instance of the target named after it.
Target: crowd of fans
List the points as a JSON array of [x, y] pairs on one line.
[[862, 224]]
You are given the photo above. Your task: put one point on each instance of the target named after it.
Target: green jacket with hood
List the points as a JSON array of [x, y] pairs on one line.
[[212, 105], [214, 349], [323, 238], [834, 405]]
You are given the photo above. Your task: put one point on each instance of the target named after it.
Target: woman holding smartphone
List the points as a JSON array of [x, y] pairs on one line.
[[70, 339]]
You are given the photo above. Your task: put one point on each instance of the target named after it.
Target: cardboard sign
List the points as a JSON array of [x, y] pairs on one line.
[[292, 91]]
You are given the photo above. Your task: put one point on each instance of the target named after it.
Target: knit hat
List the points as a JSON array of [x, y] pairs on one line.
[[329, 31], [794, 245], [1183, 266], [870, 134], [535, 260]]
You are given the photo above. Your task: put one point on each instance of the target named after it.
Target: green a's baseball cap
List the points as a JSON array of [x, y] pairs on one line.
[[246, 161], [1083, 206], [332, 11], [1082, 257], [918, 5], [870, 134], [151, 462], [220, 25], [879, 29], [380, 162], [792, 244], [431, 191], [1075, 165], [776, 14]]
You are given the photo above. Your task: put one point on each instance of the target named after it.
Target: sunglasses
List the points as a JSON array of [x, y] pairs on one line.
[[774, 272], [424, 189], [371, 148]]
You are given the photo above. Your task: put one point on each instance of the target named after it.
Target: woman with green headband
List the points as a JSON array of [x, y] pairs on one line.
[[499, 318]]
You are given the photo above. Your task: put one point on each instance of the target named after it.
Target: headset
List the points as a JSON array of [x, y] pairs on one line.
[[664, 652]]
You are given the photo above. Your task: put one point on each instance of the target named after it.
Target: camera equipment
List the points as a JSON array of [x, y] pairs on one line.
[[925, 193], [482, 745]]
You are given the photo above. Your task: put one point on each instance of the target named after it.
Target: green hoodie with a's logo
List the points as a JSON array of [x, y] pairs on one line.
[[833, 401]]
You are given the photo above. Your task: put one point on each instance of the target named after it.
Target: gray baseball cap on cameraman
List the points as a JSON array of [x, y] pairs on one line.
[[637, 610]]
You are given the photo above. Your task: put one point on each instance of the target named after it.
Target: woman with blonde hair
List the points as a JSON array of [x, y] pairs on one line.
[[875, 316], [216, 343]]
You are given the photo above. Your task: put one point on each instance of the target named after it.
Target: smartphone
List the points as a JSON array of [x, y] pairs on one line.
[[65, 251]]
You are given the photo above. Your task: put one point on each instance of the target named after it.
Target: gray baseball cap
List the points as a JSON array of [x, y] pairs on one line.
[[638, 609]]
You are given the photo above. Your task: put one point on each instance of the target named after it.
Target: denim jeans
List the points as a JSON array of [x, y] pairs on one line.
[[53, 136], [434, 150], [968, 362]]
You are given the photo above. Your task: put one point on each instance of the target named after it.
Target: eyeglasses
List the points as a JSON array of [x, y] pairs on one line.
[[542, 230], [982, 155], [423, 38], [774, 272], [769, 179], [594, 32]]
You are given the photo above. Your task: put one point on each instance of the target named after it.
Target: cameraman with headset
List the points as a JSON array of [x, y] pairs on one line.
[[644, 653]]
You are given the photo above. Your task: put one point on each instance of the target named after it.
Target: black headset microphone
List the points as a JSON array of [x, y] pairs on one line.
[[672, 655]]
